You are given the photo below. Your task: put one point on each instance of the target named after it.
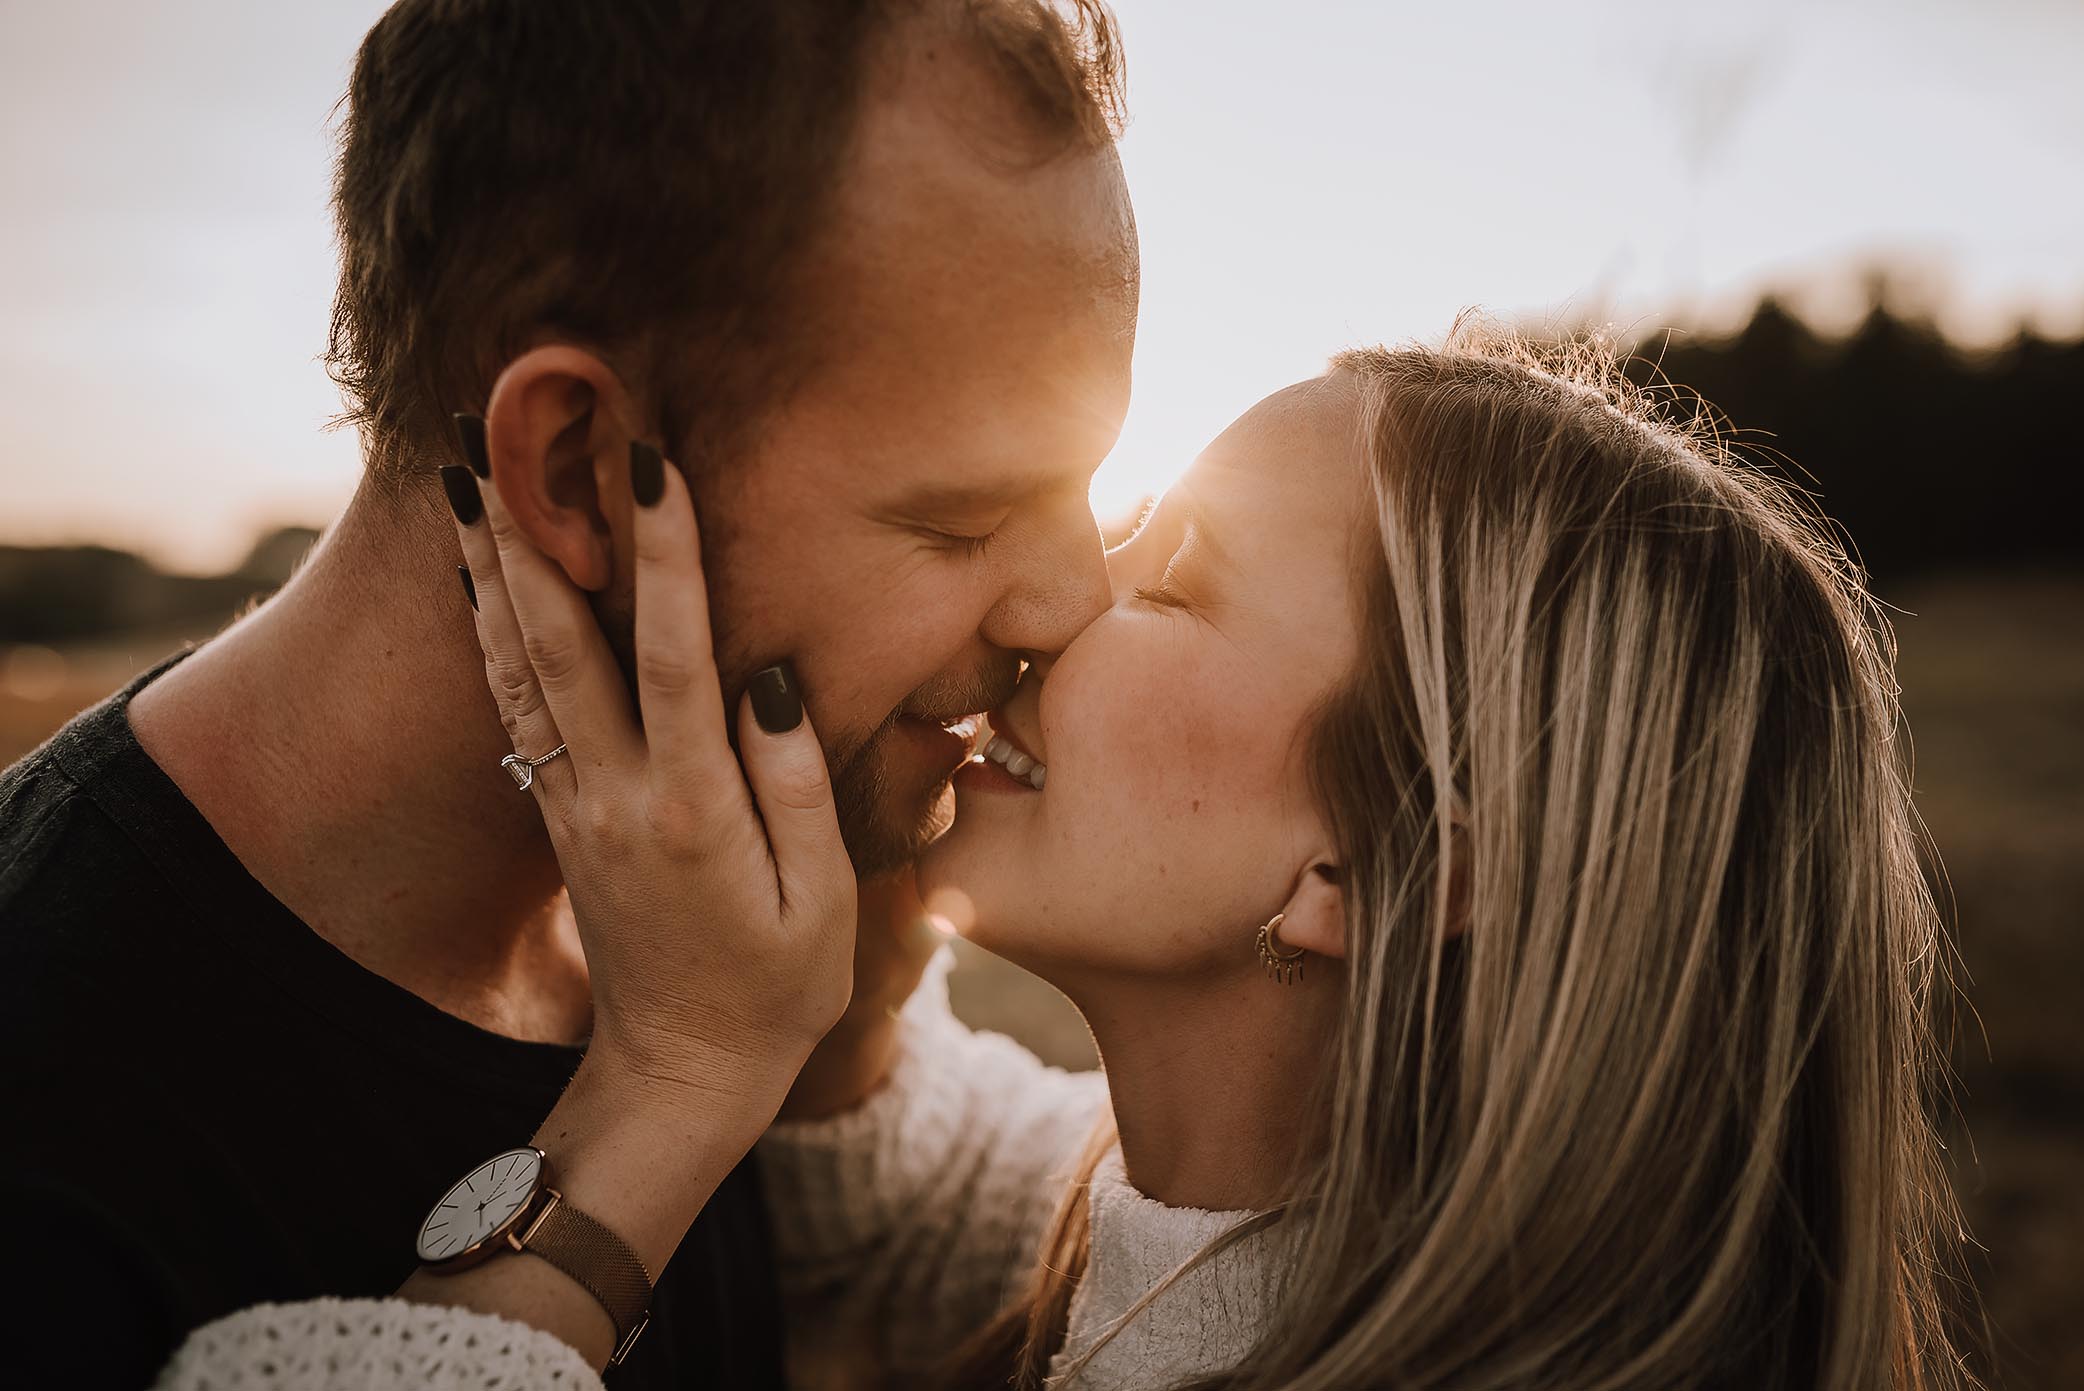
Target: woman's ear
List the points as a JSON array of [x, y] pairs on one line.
[[1315, 915], [554, 412]]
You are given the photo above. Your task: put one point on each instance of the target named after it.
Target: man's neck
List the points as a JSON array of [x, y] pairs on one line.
[[1212, 1082], [343, 743]]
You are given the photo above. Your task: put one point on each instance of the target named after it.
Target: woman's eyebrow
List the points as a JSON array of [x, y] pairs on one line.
[[1201, 537]]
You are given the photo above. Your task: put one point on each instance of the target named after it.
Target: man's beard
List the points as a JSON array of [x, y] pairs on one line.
[[888, 812], [885, 827], [884, 822]]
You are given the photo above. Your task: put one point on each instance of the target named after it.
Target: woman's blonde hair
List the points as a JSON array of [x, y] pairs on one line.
[[1645, 1100]]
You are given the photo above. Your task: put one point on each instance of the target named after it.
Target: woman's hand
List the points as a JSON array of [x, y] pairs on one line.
[[714, 898], [716, 906]]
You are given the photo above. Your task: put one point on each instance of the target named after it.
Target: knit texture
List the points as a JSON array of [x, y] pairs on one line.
[[1205, 1321], [367, 1344], [903, 1225], [900, 1227]]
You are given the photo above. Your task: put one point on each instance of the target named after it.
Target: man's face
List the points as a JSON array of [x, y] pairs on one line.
[[914, 522]]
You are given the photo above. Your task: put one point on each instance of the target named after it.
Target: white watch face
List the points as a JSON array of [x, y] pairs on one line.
[[480, 1205]]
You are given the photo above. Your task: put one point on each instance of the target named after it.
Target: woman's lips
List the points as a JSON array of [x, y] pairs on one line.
[[986, 774], [999, 725], [1006, 750]]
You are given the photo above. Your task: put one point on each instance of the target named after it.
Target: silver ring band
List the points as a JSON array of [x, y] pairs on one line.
[[522, 770]]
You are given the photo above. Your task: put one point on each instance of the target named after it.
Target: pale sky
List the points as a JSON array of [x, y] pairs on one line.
[[1307, 176]]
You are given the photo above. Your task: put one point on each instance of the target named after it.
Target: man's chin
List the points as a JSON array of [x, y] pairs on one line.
[[889, 814]]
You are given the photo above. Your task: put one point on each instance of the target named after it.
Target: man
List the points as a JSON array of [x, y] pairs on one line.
[[281, 946]]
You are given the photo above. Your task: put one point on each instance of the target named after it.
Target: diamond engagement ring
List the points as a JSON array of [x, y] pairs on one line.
[[523, 769]]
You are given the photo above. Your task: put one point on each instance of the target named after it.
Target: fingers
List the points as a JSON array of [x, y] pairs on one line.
[[530, 727], [785, 767], [677, 686], [581, 683]]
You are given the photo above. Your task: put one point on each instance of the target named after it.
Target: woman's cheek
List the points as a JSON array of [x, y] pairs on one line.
[[1160, 777], [1127, 734]]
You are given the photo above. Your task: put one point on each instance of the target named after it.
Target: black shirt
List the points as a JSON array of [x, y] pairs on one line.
[[205, 1105]]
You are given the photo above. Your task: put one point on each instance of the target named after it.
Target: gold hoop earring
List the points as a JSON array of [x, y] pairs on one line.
[[1282, 966]]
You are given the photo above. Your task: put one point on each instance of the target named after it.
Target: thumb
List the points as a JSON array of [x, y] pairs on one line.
[[785, 768]]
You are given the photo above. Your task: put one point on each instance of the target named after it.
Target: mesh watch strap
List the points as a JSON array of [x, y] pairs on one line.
[[598, 1259]]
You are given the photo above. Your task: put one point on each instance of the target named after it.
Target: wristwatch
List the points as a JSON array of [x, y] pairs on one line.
[[507, 1204]]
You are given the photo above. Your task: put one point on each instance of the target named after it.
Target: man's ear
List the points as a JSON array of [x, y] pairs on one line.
[[1315, 915], [558, 430]]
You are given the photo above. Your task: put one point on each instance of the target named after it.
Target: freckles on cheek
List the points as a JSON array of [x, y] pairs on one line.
[[1181, 749]]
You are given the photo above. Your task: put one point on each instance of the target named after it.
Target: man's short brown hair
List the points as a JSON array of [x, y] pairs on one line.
[[638, 177]]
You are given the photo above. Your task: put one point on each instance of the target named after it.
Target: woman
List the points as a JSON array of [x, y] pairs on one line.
[[1478, 841]]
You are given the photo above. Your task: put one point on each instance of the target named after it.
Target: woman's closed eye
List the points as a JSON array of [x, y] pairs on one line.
[[1164, 594]]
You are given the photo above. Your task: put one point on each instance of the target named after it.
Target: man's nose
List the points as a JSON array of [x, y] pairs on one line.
[[1057, 589]]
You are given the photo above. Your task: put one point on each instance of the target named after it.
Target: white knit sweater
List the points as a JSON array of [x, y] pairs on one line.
[[900, 1228]]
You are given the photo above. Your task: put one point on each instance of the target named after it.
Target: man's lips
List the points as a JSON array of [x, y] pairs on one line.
[[954, 742]]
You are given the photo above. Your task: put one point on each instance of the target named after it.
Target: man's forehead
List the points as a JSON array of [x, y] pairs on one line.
[[972, 316], [987, 366]]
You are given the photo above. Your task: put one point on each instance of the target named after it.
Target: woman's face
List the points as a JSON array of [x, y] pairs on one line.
[[1175, 814]]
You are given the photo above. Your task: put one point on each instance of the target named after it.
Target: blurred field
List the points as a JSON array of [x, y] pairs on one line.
[[1992, 668], [1993, 680]]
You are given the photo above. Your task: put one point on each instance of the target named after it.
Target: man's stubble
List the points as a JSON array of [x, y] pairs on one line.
[[888, 814]]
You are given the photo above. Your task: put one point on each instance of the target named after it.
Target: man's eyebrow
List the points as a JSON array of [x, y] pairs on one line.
[[938, 497]]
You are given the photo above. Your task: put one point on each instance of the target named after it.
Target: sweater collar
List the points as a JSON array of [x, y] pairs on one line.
[[1206, 1321]]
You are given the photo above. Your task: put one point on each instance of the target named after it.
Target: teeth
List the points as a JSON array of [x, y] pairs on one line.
[[965, 728], [1015, 762]]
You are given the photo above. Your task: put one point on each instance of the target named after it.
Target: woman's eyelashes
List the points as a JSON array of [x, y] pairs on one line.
[[1164, 594]]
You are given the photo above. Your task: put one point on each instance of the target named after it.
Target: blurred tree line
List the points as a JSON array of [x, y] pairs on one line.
[[53, 594], [1930, 456]]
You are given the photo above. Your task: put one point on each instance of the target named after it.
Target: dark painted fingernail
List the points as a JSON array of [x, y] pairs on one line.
[[647, 473], [470, 432], [470, 586], [777, 699], [462, 489]]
